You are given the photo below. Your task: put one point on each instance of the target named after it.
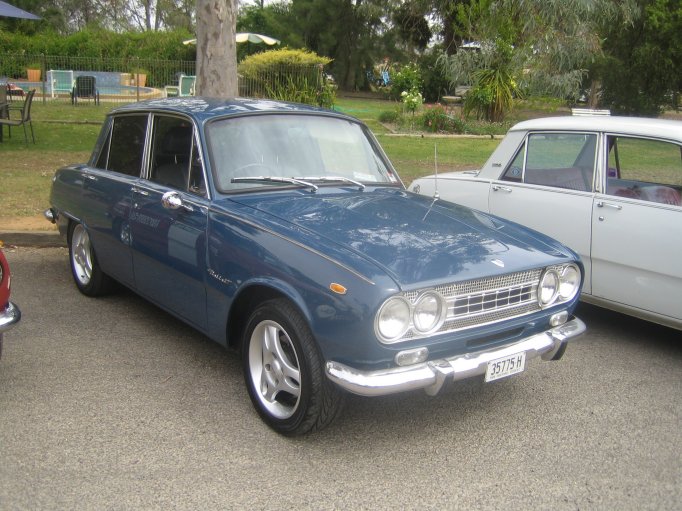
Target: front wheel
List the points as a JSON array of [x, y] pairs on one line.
[[87, 274], [284, 372]]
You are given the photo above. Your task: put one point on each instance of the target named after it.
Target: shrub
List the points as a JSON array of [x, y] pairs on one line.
[[326, 97], [459, 125], [405, 80], [158, 45], [391, 116], [412, 99], [435, 119], [269, 60], [289, 75]]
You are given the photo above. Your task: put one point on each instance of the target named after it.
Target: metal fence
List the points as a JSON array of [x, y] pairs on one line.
[[117, 79], [121, 80]]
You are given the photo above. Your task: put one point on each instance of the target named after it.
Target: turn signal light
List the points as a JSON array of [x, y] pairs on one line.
[[409, 357]]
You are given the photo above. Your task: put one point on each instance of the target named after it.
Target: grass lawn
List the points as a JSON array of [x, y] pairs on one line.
[[66, 134]]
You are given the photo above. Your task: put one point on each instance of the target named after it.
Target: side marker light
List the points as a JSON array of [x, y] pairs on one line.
[[337, 288]]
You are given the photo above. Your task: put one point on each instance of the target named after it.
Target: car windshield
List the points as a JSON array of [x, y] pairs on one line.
[[309, 148]]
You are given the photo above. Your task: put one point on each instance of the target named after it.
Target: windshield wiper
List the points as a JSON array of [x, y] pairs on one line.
[[276, 179], [335, 178]]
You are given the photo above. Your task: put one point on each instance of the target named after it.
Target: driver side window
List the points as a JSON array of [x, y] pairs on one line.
[[174, 160]]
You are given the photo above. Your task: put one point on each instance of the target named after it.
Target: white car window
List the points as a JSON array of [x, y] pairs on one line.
[[560, 160], [644, 169]]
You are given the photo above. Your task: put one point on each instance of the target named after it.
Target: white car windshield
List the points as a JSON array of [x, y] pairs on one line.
[[308, 148]]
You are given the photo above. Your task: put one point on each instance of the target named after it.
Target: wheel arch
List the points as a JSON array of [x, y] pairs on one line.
[[70, 222], [252, 295]]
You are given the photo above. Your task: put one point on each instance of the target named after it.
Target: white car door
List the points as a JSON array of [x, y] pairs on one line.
[[637, 227], [549, 187]]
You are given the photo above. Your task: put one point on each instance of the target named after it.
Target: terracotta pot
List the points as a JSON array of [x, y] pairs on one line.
[[33, 75], [138, 79]]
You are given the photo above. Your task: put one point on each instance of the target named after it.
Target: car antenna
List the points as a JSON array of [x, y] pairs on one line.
[[435, 192]]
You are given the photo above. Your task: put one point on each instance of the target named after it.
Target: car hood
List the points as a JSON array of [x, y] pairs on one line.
[[415, 240]]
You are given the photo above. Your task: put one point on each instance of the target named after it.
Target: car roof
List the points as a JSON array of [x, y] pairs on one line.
[[204, 108], [664, 128]]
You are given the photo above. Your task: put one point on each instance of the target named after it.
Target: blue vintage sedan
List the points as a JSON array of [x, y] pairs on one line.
[[283, 231]]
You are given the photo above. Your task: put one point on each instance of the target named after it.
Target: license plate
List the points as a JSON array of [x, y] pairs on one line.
[[505, 366]]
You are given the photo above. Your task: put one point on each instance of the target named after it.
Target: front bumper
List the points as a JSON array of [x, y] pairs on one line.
[[9, 317], [432, 375]]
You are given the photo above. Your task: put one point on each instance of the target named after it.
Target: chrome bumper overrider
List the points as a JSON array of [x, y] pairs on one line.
[[432, 375], [9, 317]]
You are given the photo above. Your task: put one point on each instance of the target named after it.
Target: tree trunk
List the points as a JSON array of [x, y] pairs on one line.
[[595, 88], [216, 48]]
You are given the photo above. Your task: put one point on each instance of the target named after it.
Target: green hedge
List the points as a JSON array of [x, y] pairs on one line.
[[101, 44], [268, 60]]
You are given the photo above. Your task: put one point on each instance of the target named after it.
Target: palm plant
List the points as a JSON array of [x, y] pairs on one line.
[[492, 95]]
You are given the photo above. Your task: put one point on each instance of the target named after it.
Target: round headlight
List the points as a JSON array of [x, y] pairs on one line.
[[549, 288], [569, 282], [428, 313], [393, 319]]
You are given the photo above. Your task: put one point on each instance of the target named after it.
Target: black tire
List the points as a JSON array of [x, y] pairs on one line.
[[85, 269], [284, 372]]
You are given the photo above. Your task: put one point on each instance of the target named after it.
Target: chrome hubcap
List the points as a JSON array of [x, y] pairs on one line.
[[275, 371], [81, 255]]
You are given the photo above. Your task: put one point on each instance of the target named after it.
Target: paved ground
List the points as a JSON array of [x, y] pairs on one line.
[[112, 404]]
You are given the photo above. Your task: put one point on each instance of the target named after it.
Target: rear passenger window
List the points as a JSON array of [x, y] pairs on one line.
[[126, 147], [644, 169], [560, 160]]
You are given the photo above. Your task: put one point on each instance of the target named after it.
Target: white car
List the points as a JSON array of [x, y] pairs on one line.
[[608, 187]]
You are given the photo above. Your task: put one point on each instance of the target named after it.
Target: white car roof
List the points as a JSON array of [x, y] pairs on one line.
[[663, 128]]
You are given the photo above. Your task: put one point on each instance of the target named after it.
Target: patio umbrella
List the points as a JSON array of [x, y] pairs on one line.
[[10, 11], [247, 37]]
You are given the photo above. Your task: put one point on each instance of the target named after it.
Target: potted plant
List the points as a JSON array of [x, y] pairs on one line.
[[33, 72]]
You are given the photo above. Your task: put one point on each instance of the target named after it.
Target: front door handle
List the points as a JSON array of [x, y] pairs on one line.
[[173, 201]]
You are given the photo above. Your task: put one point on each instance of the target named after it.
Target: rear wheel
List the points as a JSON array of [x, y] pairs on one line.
[[284, 372], [85, 269]]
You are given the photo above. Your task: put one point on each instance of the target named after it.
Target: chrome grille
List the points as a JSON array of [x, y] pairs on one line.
[[483, 301]]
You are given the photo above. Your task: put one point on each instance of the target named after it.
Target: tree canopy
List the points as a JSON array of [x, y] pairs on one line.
[[627, 52]]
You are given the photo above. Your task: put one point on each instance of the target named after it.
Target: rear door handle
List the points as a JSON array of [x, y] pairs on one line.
[[140, 191], [602, 204], [501, 188]]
